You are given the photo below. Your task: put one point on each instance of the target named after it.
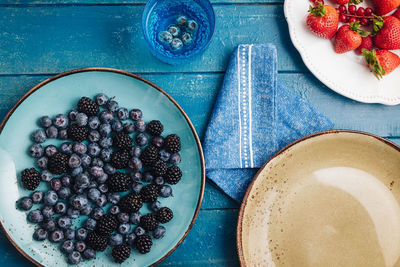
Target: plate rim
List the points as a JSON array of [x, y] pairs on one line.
[[117, 71], [375, 99], [243, 205]]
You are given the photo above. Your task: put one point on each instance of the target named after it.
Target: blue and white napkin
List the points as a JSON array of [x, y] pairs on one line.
[[253, 118]]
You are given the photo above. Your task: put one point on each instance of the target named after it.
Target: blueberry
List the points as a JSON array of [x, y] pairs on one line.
[[80, 148], [155, 206], [96, 213], [138, 231], [113, 198], [135, 218], [77, 171], [159, 180], [36, 151], [141, 139], [102, 179], [72, 114], [94, 122], [135, 164], [60, 208], [123, 217], [136, 187], [82, 181], [159, 232], [89, 254], [97, 171], [42, 163], [124, 228], [94, 136], [105, 154], [165, 37], [25, 203], [101, 99], [114, 210], [90, 224], [192, 26], [135, 151], [62, 134], [78, 202], [158, 141], [106, 142], [94, 149], [35, 216], [69, 234], [56, 236], [86, 210], [50, 198], [136, 176], [73, 213], [67, 247], [140, 126], [93, 184], [147, 177], [80, 246], [82, 119], [37, 197], [115, 240], [181, 21], [74, 161], [136, 114], [109, 169], [81, 234], [117, 125], [55, 184], [40, 234], [66, 180], [93, 194], [61, 121], [174, 30], [123, 114], [64, 222], [50, 150], [49, 225], [130, 239], [129, 127], [112, 105], [86, 160], [66, 148], [101, 201], [105, 129], [187, 38], [64, 193], [175, 159], [39, 136], [176, 44], [52, 132], [74, 257], [165, 191], [47, 212], [106, 116], [45, 121], [46, 176]]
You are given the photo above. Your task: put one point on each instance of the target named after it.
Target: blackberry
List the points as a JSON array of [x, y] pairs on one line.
[[154, 128], [120, 159], [120, 253], [30, 178], [88, 106], [96, 241], [143, 243], [173, 175], [130, 203], [122, 140], [58, 163], [149, 222], [172, 143], [149, 193], [119, 182], [159, 168], [106, 225], [77, 133], [149, 155], [164, 215]]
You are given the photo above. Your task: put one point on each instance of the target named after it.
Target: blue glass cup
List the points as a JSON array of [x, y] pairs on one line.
[[177, 30]]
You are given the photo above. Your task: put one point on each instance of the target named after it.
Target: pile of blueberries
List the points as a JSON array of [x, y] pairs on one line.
[[75, 180], [179, 34]]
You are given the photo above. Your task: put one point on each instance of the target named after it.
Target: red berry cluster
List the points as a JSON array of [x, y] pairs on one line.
[[353, 14]]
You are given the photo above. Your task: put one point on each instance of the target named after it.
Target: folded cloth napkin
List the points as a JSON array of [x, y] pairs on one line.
[[253, 118]]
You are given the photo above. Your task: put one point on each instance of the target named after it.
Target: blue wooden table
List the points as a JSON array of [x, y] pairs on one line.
[[40, 38]]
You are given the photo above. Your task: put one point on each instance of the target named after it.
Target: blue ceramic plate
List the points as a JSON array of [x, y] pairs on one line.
[[58, 95]]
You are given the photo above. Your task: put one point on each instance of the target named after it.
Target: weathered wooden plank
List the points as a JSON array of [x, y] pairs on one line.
[[52, 39]]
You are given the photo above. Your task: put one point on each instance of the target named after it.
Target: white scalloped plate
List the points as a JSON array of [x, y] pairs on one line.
[[346, 73]]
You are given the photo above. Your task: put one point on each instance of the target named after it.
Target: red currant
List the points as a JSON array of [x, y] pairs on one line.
[[364, 22], [342, 9], [352, 9], [352, 19], [360, 11], [343, 18], [368, 11]]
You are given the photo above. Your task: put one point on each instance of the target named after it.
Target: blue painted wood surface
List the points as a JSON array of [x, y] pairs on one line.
[[39, 38]]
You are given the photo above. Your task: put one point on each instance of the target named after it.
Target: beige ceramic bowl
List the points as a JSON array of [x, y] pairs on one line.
[[330, 199]]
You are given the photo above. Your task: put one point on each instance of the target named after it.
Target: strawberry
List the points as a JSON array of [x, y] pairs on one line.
[[323, 20], [397, 13], [382, 7], [349, 37], [381, 62], [387, 33], [366, 43]]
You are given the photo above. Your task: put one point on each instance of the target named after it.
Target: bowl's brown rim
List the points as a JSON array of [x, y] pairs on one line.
[[199, 147], [280, 152]]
